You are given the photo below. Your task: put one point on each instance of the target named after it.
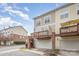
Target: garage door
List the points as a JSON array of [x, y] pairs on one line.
[[43, 44]]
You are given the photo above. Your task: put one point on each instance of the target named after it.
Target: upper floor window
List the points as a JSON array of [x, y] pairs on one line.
[[47, 20], [38, 23], [77, 9], [64, 15], [77, 12]]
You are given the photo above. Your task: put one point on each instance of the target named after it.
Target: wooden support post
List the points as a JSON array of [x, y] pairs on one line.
[[52, 35], [28, 43], [53, 40]]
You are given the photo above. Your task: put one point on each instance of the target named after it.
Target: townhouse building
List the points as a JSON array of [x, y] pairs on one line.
[[11, 35], [64, 23], [67, 21], [44, 25]]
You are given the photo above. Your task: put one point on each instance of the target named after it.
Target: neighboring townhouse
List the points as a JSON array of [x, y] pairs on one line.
[[64, 22], [11, 35], [67, 25]]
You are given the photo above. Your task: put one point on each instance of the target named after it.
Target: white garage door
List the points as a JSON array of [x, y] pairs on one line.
[[43, 44], [69, 44]]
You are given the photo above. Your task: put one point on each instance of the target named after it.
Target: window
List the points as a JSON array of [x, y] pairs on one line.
[[64, 15], [77, 9], [38, 23], [77, 12], [47, 20]]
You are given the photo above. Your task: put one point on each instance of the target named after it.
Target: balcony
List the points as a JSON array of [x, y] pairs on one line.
[[41, 35], [16, 37], [12, 37], [69, 31]]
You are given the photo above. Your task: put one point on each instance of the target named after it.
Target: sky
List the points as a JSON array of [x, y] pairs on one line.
[[22, 14]]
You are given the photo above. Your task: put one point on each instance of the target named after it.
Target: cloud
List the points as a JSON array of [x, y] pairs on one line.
[[60, 4], [14, 10], [27, 9], [19, 13], [7, 21]]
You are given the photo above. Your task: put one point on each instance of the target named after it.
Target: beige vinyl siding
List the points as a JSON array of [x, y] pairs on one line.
[[69, 43], [44, 26]]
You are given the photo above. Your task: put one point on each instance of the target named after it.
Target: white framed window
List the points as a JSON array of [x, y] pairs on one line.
[[64, 15], [47, 19], [77, 9], [38, 23], [77, 12]]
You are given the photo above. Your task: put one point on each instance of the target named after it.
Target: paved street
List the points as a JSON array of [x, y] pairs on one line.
[[15, 51]]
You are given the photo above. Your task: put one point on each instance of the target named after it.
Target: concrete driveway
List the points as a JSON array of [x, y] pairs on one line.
[[15, 51]]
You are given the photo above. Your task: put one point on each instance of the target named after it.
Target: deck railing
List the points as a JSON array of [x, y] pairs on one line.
[[12, 37], [41, 34], [69, 31]]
